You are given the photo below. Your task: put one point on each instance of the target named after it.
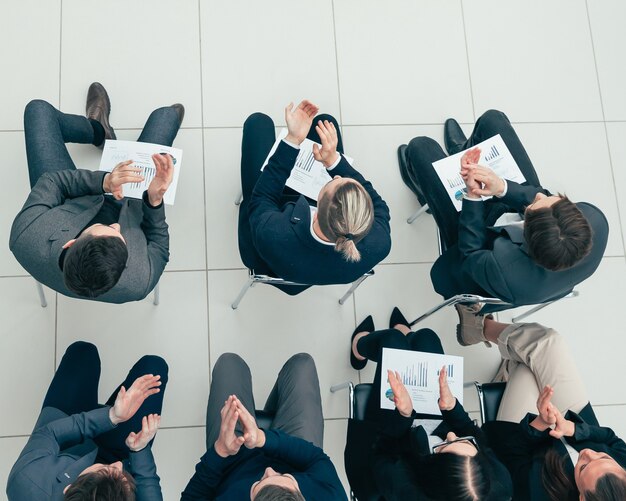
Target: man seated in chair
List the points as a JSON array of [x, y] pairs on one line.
[[524, 245], [280, 234], [76, 233], [284, 461]]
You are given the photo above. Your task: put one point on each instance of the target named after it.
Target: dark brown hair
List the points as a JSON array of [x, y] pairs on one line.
[[559, 236], [102, 485], [278, 493], [346, 217], [609, 487]]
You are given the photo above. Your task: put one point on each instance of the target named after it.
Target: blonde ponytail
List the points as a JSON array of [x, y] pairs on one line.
[[346, 217]]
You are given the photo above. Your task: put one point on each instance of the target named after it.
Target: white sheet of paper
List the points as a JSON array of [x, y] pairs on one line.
[[493, 154], [141, 153], [308, 176], [420, 374]]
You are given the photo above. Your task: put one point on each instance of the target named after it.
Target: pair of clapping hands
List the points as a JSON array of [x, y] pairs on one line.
[[299, 121], [550, 417], [128, 402], [125, 172], [228, 443], [402, 399], [480, 181]]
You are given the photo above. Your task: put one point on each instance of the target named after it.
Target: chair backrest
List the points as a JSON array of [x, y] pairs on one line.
[[489, 398], [361, 395]]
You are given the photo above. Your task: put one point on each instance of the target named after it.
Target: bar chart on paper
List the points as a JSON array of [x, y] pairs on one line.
[[419, 373]]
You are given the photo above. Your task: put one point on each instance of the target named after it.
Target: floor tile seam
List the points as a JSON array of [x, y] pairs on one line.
[[606, 129], [467, 58], [332, 7], [60, 48]]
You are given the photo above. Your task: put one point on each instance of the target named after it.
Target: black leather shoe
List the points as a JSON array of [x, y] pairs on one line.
[[407, 175], [398, 318], [453, 136], [99, 108], [366, 325], [180, 111]]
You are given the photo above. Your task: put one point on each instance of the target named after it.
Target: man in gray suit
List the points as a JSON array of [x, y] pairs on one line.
[[76, 233], [79, 448]]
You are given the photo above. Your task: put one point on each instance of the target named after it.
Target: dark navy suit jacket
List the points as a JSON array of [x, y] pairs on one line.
[[282, 237]]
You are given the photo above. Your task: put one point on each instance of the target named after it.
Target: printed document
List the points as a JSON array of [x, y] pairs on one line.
[[141, 153], [493, 154], [419, 372], [308, 176]]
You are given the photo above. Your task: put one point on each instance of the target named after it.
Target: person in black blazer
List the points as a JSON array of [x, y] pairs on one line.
[[82, 450], [542, 247], [446, 457], [546, 432], [333, 240]]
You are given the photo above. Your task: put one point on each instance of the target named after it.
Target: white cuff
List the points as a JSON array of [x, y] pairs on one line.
[[467, 197], [335, 164], [293, 145], [506, 188]]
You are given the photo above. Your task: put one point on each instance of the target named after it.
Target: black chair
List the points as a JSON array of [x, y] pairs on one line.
[[489, 398]]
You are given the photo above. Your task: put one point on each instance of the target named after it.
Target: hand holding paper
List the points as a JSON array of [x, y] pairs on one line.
[[447, 400], [162, 178], [327, 154], [122, 173], [299, 120], [401, 397]]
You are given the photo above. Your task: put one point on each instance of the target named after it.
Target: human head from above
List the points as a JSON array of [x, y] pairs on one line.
[[345, 214], [557, 233], [95, 260], [102, 482], [599, 477], [275, 486]]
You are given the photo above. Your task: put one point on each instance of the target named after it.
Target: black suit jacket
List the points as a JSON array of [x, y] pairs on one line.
[[494, 262], [522, 449], [282, 237]]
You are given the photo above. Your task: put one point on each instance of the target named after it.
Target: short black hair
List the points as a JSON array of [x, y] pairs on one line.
[[559, 236], [103, 485], [93, 265], [278, 493]]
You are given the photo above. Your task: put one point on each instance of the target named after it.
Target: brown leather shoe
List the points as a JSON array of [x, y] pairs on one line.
[[470, 329], [99, 108]]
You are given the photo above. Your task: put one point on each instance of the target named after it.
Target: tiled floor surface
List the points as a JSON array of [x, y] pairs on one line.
[[388, 71]]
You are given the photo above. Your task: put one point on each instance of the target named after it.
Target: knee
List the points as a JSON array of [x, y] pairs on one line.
[[83, 349], [37, 107], [303, 361], [164, 114], [324, 117], [491, 118], [395, 339], [230, 363], [418, 146], [153, 364], [258, 119]]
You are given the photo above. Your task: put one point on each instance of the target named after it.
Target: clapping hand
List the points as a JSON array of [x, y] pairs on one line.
[[121, 174], [228, 444], [128, 401], [162, 179], [253, 436], [469, 160], [447, 400], [327, 154], [149, 426], [299, 120], [552, 417], [401, 397]]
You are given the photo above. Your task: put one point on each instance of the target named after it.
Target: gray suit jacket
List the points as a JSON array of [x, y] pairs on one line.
[[60, 205], [61, 447]]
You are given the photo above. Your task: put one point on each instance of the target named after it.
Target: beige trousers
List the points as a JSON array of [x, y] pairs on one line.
[[537, 356]]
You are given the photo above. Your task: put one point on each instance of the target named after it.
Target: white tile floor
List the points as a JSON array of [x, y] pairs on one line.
[[388, 71]]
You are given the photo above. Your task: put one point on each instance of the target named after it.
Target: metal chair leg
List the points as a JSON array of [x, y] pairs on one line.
[[157, 295], [239, 198], [250, 283], [417, 213], [42, 296], [541, 307], [350, 386], [352, 289]]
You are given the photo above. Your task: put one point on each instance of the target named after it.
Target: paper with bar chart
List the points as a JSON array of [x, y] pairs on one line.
[[419, 372], [308, 176], [141, 154], [493, 154]]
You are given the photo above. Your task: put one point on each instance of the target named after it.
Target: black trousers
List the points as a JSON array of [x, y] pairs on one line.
[[259, 134], [371, 347], [74, 389], [423, 151]]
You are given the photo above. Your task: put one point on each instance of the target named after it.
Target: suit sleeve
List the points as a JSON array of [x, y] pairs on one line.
[[311, 460], [477, 260], [381, 210], [66, 432], [155, 229], [209, 472], [519, 196], [51, 190], [459, 421], [143, 469], [267, 193]]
